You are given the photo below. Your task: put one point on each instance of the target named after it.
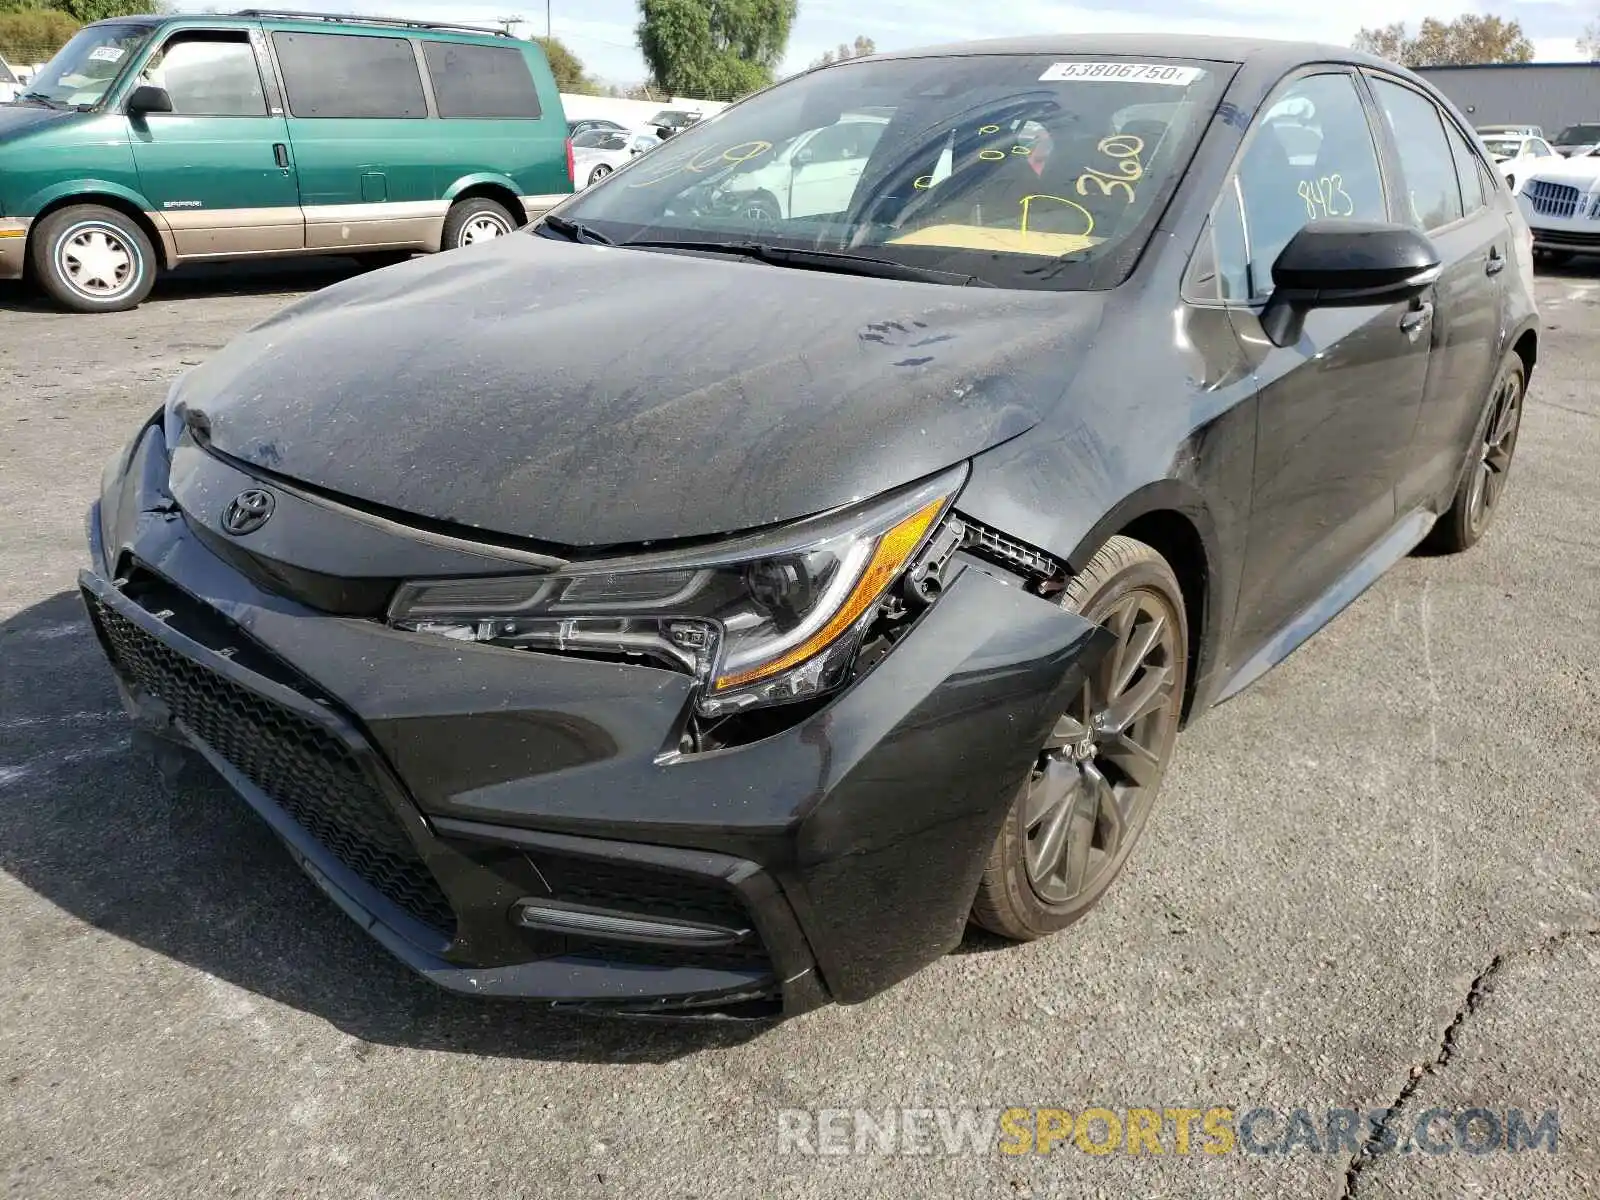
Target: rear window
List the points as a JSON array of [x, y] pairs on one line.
[[486, 82], [339, 75]]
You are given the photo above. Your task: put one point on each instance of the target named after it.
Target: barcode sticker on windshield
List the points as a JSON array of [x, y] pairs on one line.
[[106, 54], [1123, 72]]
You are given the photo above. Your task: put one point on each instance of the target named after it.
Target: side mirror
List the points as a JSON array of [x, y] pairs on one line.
[[804, 156], [1346, 264], [147, 98]]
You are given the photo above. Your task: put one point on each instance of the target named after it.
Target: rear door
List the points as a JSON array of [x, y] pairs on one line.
[[1442, 193], [1337, 408], [218, 167]]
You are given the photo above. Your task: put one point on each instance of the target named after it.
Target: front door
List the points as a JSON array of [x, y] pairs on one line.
[[824, 172], [217, 167], [1337, 408]]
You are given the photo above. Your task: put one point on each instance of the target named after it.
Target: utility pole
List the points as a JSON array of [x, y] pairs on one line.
[[547, 33], [507, 22]]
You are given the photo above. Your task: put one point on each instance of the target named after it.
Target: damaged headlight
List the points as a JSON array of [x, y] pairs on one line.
[[759, 620]]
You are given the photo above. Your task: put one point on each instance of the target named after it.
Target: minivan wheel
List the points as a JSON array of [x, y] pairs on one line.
[[1477, 496], [1092, 788], [93, 259], [476, 220]]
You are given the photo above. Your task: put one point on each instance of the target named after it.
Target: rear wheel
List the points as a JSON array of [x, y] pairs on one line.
[[1477, 496], [1092, 788], [599, 173], [93, 259], [476, 220]]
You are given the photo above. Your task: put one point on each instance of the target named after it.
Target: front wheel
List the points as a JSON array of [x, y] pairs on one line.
[[1092, 788], [93, 259], [476, 220], [1477, 496]]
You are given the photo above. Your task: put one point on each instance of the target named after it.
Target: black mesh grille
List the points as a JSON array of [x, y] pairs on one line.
[[626, 887], [310, 773]]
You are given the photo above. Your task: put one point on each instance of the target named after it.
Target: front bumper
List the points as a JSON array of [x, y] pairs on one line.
[[434, 789], [13, 247]]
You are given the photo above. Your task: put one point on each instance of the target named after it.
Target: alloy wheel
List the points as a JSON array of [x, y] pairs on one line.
[[1096, 779], [1494, 454], [97, 260]]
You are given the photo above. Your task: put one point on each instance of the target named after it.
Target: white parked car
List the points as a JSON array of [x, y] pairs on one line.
[[598, 152], [1561, 201], [10, 84], [1517, 155], [815, 173]]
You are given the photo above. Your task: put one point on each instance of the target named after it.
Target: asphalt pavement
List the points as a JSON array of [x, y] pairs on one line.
[[1371, 884]]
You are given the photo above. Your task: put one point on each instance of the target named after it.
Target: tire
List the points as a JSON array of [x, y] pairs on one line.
[[1494, 443], [471, 222], [599, 173], [1511, 182], [1085, 779], [93, 259], [760, 209]]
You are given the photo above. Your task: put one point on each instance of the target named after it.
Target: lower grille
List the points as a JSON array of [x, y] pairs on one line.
[[307, 771], [1563, 237]]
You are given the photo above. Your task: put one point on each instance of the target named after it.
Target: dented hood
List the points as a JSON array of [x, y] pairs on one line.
[[589, 396]]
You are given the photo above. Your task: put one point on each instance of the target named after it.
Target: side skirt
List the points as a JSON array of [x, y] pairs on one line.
[[1406, 535]]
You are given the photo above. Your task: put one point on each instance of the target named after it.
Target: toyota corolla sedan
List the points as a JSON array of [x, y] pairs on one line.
[[743, 672]]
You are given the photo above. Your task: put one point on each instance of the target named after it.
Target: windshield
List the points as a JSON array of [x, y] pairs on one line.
[[1503, 147], [1017, 171], [1578, 135], [85, 68]]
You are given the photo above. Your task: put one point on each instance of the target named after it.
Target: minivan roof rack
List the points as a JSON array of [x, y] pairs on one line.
[[351, 19]]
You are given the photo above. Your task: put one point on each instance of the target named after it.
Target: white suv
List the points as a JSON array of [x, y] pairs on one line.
[[1561, 201]]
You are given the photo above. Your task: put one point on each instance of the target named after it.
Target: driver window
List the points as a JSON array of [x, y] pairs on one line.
[[208, 75], [1311, 157]]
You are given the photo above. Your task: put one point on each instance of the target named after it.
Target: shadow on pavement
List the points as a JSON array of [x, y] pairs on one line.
[[191, 873], [204, 280]]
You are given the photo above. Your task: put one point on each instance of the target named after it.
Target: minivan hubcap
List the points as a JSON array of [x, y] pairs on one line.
[[483, 228], [1494, 456], [97, 260], [1096, 778]]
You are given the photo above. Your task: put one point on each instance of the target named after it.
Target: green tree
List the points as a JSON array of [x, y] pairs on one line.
[[1467, 39], [714, 49], [860, 48], [567, 68], [30, 35]]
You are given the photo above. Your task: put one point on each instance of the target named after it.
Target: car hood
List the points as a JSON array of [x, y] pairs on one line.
[[1579, 172], [490, 387], [19, 118]]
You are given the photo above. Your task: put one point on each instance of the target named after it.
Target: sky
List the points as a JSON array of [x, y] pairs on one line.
[[600, 32]]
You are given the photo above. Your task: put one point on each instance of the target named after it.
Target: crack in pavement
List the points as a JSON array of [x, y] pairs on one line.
[[1477, 992]]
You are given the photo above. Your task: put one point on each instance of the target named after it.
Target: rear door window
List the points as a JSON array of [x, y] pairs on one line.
[[491, 83], [343, 75], [1433, 196], [1467, 174]]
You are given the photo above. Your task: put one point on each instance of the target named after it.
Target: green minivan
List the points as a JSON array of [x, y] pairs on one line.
[[153, 141]]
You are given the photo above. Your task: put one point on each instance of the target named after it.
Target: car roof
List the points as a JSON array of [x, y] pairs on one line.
[[1266, 52]]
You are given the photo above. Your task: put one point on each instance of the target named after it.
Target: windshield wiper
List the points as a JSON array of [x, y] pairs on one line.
[[820, 260], [41, 98], [575, 231]]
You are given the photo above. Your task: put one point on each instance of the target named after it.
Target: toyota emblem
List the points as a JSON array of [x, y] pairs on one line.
[[248, 512]]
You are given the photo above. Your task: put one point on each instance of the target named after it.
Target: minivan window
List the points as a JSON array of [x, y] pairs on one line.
[[1430, 169], [85, 68], [949, 180], [208, 75], [342, 75], [486, 82]]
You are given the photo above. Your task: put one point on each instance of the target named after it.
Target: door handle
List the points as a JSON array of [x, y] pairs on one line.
[[1415, 321], [1496, 262], [281, 153]]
